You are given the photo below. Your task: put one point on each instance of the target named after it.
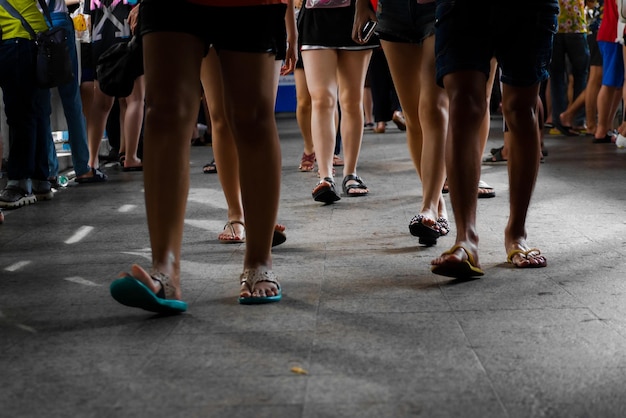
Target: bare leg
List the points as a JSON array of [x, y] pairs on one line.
[[100, 108], [320, 67], [303, 110], [608, 98], [519, 107], [224, 149], [425, 106], [133, 120], [368, 106], [258, 148], [567, 117], [466, 91], [171, 82], [591, 97], [351, 71], [303, 116]]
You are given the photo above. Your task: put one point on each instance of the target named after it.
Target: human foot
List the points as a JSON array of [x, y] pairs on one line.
[[485, 191], [259, 285], [325, 191], [354, 186], [155, 292], [380, 127], [426, 229], [279, 236], [337, 161], [234, 233], [94, 175], [307, 162], [398, 119], [457, 262], [522, 256]]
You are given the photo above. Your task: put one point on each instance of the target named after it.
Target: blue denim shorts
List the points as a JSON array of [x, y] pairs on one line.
[[240, 29], [405, 21], [518, 33]]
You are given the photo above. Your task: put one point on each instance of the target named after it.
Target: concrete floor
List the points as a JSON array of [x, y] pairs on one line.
[[372, 331]]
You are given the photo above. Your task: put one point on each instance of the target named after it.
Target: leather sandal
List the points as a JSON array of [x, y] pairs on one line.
[[325, 191], [360, 185]]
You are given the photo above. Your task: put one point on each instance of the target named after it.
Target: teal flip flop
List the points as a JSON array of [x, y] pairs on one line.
[[250, 277], [131, 292]]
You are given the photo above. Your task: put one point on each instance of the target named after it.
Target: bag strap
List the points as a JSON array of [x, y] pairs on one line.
[[46, 11], [13, 12]]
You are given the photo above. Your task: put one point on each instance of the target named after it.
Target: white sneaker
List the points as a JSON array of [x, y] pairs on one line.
[[620, 142]]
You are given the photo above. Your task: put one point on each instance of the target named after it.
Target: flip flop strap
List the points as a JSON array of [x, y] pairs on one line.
[[470, 257], [167, 290], [229, 225], [250, 277]]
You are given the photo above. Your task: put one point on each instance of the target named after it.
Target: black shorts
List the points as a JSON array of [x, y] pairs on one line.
[[87, 67], [240, 29], [595, 56]]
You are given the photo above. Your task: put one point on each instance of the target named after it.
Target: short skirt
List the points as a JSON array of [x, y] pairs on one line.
[[330, 28]]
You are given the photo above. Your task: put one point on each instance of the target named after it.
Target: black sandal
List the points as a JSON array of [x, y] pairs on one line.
[[210, 168], [359, 186], [427, 235], [325, 191]]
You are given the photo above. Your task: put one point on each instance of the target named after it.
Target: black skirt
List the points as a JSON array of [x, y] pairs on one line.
[[329, 28]]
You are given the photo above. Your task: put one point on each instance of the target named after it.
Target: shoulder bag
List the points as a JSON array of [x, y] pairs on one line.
[[53, 66]]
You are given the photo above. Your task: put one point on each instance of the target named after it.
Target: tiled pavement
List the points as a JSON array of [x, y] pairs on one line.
[[372, 332]]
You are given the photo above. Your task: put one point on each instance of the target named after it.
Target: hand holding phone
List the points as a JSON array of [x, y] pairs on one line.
[[367, 31]]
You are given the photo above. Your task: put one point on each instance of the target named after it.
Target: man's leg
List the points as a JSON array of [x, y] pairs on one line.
[[520, 111], [468, 105]]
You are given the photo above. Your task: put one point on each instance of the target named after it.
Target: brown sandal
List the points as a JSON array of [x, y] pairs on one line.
[[307, 162]]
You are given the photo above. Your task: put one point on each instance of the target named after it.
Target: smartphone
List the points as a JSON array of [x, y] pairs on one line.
[[368, 30]]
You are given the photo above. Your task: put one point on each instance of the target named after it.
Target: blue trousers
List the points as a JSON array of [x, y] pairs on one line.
[[72, 108]]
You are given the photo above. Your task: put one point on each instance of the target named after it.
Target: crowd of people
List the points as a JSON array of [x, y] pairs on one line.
[[430, 68]]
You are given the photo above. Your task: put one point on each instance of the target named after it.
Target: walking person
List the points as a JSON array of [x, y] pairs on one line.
[[335, 67], [406, 31], [251, 42], [467, 37]]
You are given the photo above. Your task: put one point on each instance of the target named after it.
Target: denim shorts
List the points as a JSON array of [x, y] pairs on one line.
[[257, 29], [518, 33], [612, 64], [405, 21]]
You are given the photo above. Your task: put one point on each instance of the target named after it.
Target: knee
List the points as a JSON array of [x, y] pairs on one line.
[[323, 103]]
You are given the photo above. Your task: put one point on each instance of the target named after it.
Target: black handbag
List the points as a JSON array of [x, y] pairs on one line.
[[53, 66], [119, 66]]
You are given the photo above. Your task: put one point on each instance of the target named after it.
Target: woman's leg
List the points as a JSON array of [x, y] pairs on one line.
[[224, 149], [132, 122], [425, 106], [591, 97], [321, 77], [351, 70], [303, 110], [100, 108], [250, 101], [172, 74]]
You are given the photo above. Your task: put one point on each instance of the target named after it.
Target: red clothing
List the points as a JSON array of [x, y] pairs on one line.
[[236, 3], [608, 26]]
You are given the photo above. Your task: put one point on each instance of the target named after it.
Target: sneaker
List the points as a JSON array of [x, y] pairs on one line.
[[42, 189], [43, 194], [14, 197], [620, 142]]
